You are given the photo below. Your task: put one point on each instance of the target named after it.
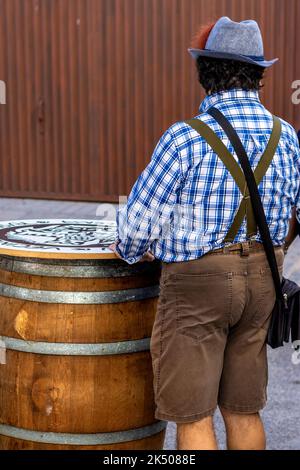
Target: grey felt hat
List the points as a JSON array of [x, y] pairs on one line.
[[236, 41]]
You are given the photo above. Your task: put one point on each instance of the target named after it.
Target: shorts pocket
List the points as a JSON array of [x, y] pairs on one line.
[[203, 303]]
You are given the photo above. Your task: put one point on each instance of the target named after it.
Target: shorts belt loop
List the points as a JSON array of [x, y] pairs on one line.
[[245, 249], [226, 249]]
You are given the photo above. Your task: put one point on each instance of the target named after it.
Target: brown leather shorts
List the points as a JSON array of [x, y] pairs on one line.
[[208, 343]]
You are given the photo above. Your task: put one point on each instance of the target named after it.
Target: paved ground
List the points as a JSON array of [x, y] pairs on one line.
[[282, 415]]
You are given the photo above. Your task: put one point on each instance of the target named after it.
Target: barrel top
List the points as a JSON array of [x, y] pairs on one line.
[[58, 238]]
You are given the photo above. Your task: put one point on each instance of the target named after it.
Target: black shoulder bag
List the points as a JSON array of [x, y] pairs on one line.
[[285, 320]]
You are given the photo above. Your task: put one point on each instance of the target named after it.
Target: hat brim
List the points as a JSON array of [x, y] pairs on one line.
[[195, 53]]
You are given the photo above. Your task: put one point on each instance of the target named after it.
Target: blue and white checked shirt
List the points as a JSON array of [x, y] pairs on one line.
[[186, 177]]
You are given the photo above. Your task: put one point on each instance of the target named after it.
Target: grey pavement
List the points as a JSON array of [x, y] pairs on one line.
[[282, 414]]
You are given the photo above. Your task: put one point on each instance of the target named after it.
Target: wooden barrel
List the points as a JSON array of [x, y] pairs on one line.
[[78, 370]]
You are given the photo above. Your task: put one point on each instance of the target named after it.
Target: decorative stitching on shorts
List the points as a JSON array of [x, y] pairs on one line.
[[256, 320], [219, 273], [230, 290], [247, 282], [177, 322]]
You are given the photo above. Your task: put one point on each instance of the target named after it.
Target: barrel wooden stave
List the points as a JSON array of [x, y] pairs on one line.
[[38, 321], [79, 284], [50, 392]]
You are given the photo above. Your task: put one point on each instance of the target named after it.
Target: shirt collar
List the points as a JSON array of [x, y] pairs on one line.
[[235, 94]]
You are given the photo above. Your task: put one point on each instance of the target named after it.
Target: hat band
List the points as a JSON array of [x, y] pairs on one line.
[[259, 58]]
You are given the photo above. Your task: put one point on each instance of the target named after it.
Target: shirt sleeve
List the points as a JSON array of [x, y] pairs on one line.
[[151, 200], [297, 162]]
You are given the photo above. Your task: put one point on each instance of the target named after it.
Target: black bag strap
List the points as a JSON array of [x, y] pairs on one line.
[[254, 194]]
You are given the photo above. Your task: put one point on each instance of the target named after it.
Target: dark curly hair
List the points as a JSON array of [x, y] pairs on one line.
[[216, 75]]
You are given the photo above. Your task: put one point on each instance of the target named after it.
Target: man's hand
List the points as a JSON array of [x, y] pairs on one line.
[[148, 256], [113, 248]]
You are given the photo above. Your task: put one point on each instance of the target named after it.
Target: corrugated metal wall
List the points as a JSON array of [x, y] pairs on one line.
[[92, 85]]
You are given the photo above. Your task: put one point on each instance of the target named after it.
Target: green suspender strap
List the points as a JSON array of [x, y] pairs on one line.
[[245, 208]]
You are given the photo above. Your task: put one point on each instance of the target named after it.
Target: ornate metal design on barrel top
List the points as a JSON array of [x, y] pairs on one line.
[[75, 327]]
